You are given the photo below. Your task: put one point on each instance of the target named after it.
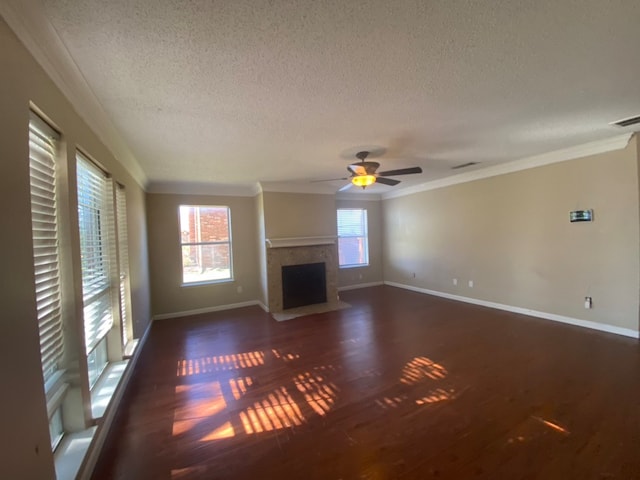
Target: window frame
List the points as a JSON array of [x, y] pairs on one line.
[[103, 213], [228, 242], [365, 228], [45, 177], [124, 286]]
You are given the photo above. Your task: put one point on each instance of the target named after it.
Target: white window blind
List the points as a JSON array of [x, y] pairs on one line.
[[95, 219], [44, 220], [353, 248], [123, 260]]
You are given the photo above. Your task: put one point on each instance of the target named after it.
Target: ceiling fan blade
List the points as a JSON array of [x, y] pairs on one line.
[[401, 171], [346, 187], [387, 181], [329, 180]]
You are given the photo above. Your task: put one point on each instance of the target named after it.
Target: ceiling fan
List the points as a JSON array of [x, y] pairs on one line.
[[364, 173]]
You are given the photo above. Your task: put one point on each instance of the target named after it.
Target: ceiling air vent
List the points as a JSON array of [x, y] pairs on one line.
[[627, 122], [464, 165]]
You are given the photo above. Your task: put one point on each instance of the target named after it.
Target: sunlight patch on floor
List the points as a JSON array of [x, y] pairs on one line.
[[219, 363], [390, 402], [534, 428], [436, 396], [553, 426], [240, 386], [198, 403], [224, 431], [421, 368], [278, 410], [319, 394], [284, 356]]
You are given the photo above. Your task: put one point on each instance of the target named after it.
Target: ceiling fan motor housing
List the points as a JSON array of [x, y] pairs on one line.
[[364, 168]]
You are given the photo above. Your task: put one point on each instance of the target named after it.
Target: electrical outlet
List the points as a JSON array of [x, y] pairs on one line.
[[470, 283], [239, 289], [360, 277], [588, 302], [455, 281]]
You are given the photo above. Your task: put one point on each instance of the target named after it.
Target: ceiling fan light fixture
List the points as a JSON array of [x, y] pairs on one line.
[[363, 180]]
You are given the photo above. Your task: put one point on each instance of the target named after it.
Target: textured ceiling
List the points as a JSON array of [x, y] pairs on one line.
[[234, 92]]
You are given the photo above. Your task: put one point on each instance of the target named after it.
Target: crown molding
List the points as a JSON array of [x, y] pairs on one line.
[[220, 189], [314, 188], [592, 148], [27, 20], [257, 189], [297, 187], [202, 188]]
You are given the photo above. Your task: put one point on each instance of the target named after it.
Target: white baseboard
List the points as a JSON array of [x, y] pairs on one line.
[[360, 285], [217, 308], [262, 306], [603, 327], [100, 436]]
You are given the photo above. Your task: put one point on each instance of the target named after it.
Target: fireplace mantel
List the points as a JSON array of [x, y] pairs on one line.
[[285, 242]]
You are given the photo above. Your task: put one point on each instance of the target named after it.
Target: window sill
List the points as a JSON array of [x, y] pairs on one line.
[[359, 265], [207, 282], [73, 447], [105, 387], [130, 347], [71, 452]]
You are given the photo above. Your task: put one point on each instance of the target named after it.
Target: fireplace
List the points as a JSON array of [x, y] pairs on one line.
[[283, 253], [303, 285]]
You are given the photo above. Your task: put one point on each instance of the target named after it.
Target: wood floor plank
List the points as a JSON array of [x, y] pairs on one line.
[[400, 385]]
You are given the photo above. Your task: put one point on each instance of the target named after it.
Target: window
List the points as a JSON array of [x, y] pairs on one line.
[[43, 144], [44, 221], [56, 428], [353, 248], [95, 220], [97, 361], [206, 244]]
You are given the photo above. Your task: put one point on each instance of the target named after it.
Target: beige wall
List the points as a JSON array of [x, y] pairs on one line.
[[299, 215], [511, 235], [165, 258], [268, 215], [373, 272], [25, 436], [138, 260]]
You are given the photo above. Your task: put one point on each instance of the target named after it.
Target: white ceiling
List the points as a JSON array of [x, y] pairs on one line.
[[236, 92]]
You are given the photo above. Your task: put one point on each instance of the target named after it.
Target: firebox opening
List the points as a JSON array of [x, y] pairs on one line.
[[303, 285]]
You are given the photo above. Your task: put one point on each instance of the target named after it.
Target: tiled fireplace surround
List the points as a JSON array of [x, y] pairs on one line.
[[298, 251]]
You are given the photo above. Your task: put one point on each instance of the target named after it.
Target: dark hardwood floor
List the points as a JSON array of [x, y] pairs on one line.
[[401, 385]]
